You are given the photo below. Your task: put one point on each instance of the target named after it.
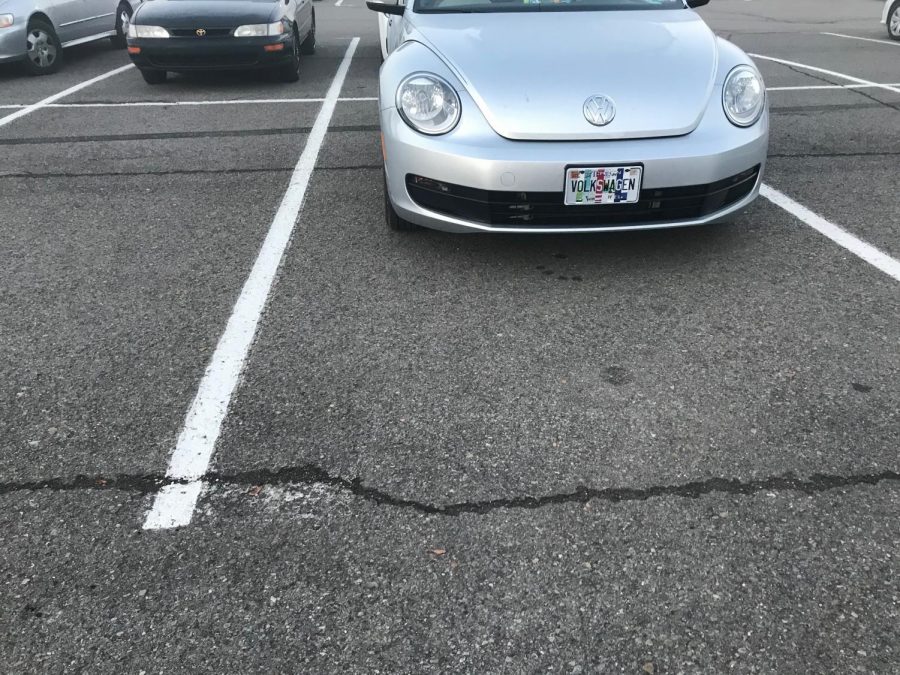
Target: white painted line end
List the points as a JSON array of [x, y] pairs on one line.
[[838, 235], [174, 506]]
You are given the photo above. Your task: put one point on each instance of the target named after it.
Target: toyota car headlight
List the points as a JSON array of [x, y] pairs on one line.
[[138, 31], [428, 104], [259, 29], [6, 20], [744, 96]]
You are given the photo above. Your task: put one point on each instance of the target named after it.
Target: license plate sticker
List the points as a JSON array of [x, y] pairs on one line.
[[592, 186]]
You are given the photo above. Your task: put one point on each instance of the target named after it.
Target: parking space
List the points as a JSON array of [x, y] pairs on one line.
[[645, 452], [82, 63]]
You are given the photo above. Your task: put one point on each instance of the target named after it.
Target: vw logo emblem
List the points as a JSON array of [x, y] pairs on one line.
[[201, 32], [599, 110]]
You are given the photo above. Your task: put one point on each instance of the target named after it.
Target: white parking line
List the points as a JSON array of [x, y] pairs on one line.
[[838, 235], [864, 39], [174, 504], [849, 78], [162, 104], [813, 87], [27, 110]]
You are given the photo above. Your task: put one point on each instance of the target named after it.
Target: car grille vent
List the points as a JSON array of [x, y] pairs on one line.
[[192, 32], [546, 209]]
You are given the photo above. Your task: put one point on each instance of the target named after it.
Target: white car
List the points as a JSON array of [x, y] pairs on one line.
[[387, 27], [891, 18]]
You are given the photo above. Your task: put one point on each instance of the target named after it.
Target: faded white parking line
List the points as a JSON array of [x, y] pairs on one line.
[[174, 504], [162, 104], [840, 236], [815, 87], [816, 69], [864, 39], [43, 103]]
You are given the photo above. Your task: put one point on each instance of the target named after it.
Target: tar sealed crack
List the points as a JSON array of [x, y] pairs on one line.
[[314, 475], [54, 140], [816, 76], [181, 172]]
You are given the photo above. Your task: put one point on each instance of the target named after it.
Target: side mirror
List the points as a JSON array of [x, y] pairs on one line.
[[386, 7], [697, 3]]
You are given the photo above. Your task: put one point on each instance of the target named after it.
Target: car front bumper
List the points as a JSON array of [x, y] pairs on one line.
[[182, 54], [12, 42], [474, 180]]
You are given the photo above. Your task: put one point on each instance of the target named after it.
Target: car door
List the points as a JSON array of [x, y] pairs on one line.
[[100, 16], [303, 16], [382, 34], [395, 29], [67, 17]]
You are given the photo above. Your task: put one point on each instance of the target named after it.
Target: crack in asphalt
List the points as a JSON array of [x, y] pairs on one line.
[[797, 22], [822, 78], [53, 140], [315, 475], [806, 155], [181, 172], [34, 175], [827, 108]]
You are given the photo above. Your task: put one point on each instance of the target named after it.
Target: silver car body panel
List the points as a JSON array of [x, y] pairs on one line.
[[475, 155], [86, 19], [534, 86]]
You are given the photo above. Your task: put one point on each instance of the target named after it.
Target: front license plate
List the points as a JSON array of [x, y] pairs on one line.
[[603, 185]]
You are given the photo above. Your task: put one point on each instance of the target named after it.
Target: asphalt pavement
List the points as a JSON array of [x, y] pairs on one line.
[[647, 452]]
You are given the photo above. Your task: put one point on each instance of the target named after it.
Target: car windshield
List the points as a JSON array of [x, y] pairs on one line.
[[466, 6]]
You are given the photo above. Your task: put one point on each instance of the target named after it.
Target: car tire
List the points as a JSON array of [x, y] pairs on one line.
[[154, 76], [394, 221], [893, 21], [123, 20], [44, 54], [290, 72], [309, 44]]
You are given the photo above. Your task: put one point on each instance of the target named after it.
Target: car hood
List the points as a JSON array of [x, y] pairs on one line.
[[531, 73], [203, 13]]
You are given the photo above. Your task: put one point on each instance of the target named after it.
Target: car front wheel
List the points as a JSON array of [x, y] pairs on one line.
[[290, 72], [43, 51], [154, 76], [123, 20]]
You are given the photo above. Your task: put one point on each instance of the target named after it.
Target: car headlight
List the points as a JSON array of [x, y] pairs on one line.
[[6, 20], [743, 96], [428, 104], [140, 31], [259, 29]]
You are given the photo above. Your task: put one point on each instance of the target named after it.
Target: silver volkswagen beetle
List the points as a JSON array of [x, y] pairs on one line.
[[565, 116]]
